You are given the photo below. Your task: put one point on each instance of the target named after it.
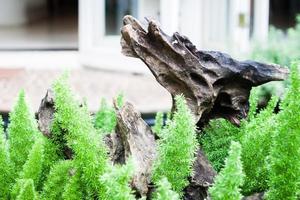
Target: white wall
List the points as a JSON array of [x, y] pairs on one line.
[[148, 8], [190, 20]]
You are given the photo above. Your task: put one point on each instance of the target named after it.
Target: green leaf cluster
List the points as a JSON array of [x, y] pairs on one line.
[[256, 142], [284, 159], [105, 118], [22, 131], [26, 190], [216, 139], [116, 182], [5, 165], [227, 183], [90, 154], [57, 178], [164, 191], [159, 123], [177, 147]]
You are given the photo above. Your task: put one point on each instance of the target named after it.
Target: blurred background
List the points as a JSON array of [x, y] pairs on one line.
[[39, 39]]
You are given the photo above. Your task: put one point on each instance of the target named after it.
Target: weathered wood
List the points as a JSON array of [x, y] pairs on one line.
[[45, 113], [257, 196], [214, 84], [202, 178], [134, 138], [45, 116], [138, 142]]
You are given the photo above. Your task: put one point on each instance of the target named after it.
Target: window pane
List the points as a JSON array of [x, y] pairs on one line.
[[114, 12]]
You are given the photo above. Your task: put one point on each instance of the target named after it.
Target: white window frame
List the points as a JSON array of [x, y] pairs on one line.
[[98, 50]]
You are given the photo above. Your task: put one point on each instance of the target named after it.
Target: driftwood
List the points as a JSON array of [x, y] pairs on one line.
[[45, 117], [134, 138], [138, 142], [257, 196], [45, 113], [202, 178], [214, 84]]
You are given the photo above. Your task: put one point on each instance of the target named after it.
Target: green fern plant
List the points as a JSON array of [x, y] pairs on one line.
[[105, 118], [159, 123], [22, 131], [26, 190], [120, 100], [116, 181], [57, 178], [215, 141], [217, 136], [256, 142], [284, 159], [51, 157], [31, 169], [177, 148], [227, 183], [72, 190], [33, 166], [164, 191], [5, 165], [253, 102], [90, 155]]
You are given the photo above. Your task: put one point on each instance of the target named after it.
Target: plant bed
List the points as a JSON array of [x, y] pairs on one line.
[[114, 155]]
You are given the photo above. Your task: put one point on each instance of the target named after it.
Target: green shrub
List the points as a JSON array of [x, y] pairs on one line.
[[227, 183], [177, 148], [120, 100], [33, 166], [5, 165], [216, 140], [216, 137], [281, 48], [256, 142], [284, 157], [22, 131], [27, 190], [116, 181], [159, 123], [90, 154], [57, 178], [105, 118], [72, 190], [51, 157], [164, 191], [253, 103]]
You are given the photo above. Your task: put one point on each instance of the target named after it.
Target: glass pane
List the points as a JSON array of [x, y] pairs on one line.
[[114, 12]]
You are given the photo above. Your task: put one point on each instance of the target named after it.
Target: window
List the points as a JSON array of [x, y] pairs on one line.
[[114, 12]]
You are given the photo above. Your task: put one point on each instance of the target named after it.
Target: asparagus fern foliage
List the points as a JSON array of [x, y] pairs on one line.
[[90, 155], [164, 191], [284, 180], [227, 183], [177, 148], [105, 118], [5, 165], [22, 131]]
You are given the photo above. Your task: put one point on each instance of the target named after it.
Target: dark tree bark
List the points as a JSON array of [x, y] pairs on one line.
[[214, 84], [45, 116], [45, 113], [257, 196], [202, 178], [135, 139]]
